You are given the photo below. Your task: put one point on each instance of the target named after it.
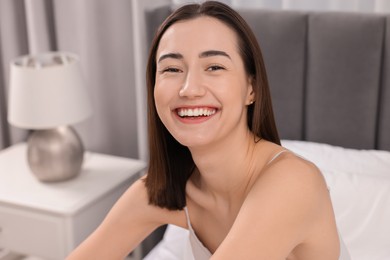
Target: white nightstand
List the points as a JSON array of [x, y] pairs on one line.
[[48, 220]]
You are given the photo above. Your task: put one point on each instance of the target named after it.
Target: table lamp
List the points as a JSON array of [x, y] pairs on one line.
[[47, 95]]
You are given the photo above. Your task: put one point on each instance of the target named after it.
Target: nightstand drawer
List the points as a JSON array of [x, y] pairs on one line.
[[31, 232]]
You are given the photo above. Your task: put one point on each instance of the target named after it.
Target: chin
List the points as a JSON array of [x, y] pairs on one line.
[[191, 141]]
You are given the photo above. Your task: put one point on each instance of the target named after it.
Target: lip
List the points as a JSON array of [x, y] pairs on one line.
[[195, 120]]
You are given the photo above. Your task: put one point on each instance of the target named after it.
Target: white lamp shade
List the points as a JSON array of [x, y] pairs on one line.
[[47, 90]]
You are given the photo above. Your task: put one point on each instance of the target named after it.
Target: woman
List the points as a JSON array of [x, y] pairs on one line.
[[216, 164]]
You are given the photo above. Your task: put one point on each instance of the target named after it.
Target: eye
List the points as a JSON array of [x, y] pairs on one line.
[[215, 68], [170, 70]]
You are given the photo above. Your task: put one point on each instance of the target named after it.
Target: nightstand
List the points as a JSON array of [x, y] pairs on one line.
[[48, 220]]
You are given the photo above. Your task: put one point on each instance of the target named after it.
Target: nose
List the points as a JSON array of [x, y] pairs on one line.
[[192, 86]]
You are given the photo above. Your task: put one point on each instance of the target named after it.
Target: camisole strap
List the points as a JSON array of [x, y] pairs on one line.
[[199, 251], [277, 155], [188, 218]]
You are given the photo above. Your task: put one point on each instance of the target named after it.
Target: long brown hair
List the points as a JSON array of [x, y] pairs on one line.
[[171, 163]]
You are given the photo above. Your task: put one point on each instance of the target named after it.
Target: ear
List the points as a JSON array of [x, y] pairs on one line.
[[250, 97]]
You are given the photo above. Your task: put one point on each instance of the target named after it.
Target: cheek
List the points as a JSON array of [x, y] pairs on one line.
[[235, 92], [160, 99], [159, 93], [163, 96], [166, 89]]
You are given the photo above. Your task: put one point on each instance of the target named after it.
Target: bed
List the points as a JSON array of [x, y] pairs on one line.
[[329, 74]]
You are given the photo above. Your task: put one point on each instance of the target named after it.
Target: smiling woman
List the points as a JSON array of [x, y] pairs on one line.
[[193, 75], [216, 165]]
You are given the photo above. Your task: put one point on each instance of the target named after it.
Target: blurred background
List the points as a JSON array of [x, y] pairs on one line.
[[109, 37]]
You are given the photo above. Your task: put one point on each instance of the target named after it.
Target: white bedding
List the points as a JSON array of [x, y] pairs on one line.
[[359, 183]]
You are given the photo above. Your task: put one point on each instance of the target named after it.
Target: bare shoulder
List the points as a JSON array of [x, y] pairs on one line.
[[291, 170], [284, 208], [294, 180]]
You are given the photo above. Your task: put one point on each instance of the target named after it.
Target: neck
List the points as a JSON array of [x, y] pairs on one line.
[[226, 168]]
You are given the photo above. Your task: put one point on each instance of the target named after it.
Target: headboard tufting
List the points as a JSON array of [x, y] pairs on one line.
[[329, 73]]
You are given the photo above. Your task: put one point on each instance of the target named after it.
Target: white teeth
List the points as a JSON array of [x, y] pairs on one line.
[[182, 112]]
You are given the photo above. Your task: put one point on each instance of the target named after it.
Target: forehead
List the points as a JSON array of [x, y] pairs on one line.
[[198, 34]]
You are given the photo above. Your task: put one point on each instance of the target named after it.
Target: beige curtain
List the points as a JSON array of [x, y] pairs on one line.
[[101, 33]]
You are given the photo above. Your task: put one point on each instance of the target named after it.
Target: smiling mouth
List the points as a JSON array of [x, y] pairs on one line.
[[196, 112]]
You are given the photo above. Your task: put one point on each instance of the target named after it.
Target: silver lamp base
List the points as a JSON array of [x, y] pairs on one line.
[[55, 154]]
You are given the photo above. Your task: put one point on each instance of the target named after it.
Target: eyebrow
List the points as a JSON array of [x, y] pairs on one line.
[[205, 54], [170, 55], [209, 53]]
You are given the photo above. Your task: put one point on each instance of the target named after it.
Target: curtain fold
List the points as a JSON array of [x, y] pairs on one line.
[[13, 42], [4, 130], [40, 25]]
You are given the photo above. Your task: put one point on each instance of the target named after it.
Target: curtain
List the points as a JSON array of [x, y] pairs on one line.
[[319, 5], [13, 42], [101, 33]]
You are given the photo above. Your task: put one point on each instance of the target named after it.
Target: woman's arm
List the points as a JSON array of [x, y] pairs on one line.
[[129, 221], [289, 205]]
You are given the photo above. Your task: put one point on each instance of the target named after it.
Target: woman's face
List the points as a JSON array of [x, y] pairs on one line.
[[202, 90]]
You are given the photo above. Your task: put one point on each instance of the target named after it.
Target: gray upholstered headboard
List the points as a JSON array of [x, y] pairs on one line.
[[329, 73]]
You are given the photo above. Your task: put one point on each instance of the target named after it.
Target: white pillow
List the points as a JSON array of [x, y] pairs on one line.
[[359, 182], [362, 208], [329, 157]]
